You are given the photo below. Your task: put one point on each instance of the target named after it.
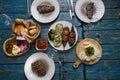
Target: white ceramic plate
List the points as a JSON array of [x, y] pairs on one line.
[[36, 56], [81, 6], [45, 18], [65, 24]]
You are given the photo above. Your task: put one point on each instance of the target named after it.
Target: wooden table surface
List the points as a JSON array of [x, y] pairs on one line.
[[106, 32]]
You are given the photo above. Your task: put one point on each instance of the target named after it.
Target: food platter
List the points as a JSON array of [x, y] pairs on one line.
[[98, 10], [24, 33], [64, 25], [12, 41], [31, 75], [81, 47], [45, 18]]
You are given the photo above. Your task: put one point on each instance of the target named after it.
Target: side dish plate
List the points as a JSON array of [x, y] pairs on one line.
[[36, 56], [81, 6], [65, 24], [45, 18]]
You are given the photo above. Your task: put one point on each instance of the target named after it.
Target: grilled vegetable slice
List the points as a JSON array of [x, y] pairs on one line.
[[57, 41]]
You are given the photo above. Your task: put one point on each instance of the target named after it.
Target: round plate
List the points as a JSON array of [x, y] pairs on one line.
[[81, 6], [65, 24], [36, 56], [80, 47], [45, 18]]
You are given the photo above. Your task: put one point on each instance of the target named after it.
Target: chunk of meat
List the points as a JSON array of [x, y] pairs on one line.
[[45, 9], [90, 10]]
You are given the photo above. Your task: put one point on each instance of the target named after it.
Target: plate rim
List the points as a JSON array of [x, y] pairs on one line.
[[47, 58], [45, 21], [75, 32], [87, 18]]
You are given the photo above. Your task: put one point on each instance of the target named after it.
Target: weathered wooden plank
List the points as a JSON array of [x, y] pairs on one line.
[[21, 6], [56, 75], [16, 72], [10, 6], [110, 36], [103, 25], [107, 3], [12, 19], [111, 14], [12, 72], [104, 70], [111, 52], [72, 74], [64, 16], [61, 17], [111, 3]]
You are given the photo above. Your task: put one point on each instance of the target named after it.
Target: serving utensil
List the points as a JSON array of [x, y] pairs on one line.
[[70, 11], [28, 7], [72, 8]]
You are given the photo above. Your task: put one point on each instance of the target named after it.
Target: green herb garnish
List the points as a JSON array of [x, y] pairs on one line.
[[89, 51], [9, 45]]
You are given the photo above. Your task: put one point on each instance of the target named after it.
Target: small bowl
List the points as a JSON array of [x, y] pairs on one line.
[[10, 54], [41, 44]]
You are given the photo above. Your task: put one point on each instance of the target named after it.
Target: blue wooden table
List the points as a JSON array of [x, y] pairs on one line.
[[106, 32]]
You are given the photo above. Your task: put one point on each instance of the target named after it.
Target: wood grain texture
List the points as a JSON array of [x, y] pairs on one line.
[[106, 31], [111, 24], [104, 70], [72, 74], [12, 16], [104, 37], [111, 4], [11, 6], [111, 52], [16, 72]]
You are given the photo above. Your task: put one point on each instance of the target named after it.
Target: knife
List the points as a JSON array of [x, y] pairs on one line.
[[28, 7], [70, 11], [71, 1]]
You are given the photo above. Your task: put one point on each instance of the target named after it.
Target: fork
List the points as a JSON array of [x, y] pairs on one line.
[[61, 68]]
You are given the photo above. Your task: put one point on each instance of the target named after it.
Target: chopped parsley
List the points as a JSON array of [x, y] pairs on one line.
[[89, 51]]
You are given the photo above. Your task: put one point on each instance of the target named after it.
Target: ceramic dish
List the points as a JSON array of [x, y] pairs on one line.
[[65, 24], [45, 18], [41, 44], [36, 56], [81, 6]]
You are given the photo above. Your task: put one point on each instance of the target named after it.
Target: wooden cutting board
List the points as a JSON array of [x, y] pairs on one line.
[[80, 47]]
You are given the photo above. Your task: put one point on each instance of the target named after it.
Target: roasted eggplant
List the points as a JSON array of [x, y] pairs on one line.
[[72, 37], [51, 34], [65, 35]]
